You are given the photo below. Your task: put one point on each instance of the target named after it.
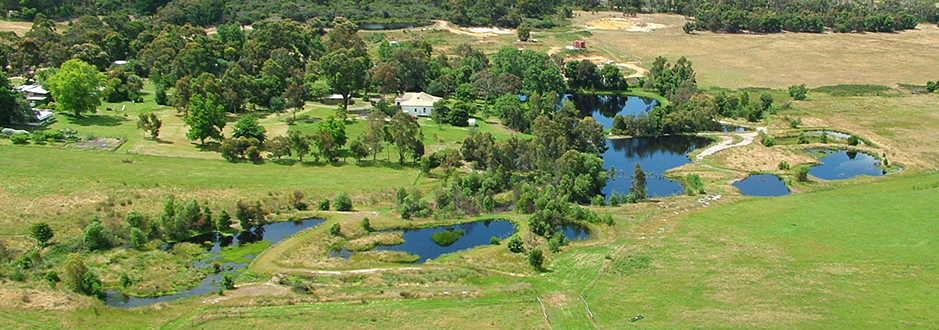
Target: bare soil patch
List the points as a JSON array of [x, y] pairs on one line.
[[99, 144], [624, 24]]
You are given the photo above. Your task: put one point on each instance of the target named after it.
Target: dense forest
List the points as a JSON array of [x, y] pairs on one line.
[[730, 16]]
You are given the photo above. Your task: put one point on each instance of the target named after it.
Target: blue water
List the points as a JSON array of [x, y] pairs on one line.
[[273, 233], [840, 164], [575, 233], [604, 108], [418, 242], [765, 185], [655, 156]]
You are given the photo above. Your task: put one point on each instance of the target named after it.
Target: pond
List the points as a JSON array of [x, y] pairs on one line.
[[841, 164], [837, 135], [273, 233], [419, 242], [654, 154], [764, 185], [575, 232]]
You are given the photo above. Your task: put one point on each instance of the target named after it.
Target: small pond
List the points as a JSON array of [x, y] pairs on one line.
[[654, 154], [418, 241], [837, 135], [575, 232], [273, 233], [765, 185], [841, 164]]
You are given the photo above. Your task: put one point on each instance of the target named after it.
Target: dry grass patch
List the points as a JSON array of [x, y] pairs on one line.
[[371, 241], [776, 60]]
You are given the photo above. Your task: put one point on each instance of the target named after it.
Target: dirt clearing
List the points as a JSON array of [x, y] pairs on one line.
[[623, 24]]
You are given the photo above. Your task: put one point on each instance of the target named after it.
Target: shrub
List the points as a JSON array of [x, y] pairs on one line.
[[536, 258], [366, 225], [41, 232], [798, 92], [342, 202], [335, 230], [137, 238], [824, 137], [768, 140], [853, 140], [323, 205], [694, 183], [228, 282], [598, 200], [296, 200], [802, 173], [52, 136], [160, 97], [95, 236], [794, 122], [19, 138], [803, 139], [515, 244], [554, 246], [52, 277], [783, 166], [494, 240]]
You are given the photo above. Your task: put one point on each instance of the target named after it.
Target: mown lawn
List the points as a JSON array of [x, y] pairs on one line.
[[860, 256]]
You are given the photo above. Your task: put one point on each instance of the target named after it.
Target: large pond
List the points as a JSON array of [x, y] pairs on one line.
[[765, 185], [419, 243], [273, 233], [655, 155], [841, 164]]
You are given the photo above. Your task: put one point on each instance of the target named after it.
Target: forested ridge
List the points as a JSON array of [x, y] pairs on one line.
[[730, 16]]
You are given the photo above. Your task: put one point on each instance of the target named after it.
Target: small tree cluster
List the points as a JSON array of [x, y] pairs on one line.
[[342, 202], [798, 92], [150, 123], [241, 148], [250, 214]]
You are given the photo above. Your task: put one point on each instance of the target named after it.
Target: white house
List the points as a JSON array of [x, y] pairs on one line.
[[417, 104], [34, 93]]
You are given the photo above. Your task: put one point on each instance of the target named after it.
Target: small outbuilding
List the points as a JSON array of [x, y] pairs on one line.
[[580, 44], [34, 93], [417, 104]]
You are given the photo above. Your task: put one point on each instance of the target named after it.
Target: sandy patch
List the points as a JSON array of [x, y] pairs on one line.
[[631, 66], [623, 24], [479, 32]]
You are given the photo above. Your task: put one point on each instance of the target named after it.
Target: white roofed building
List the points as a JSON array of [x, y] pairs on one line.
[[417, 104]]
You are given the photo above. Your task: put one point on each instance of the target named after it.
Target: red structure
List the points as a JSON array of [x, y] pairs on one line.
[[580, 44]]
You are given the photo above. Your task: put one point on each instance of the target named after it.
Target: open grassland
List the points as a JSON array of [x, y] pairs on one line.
[[775, 60], [857, 256]]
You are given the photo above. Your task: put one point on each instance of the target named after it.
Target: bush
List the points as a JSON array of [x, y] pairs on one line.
[[41, 232], [768, 140], [693, 184], [803, 139], [494, 240], [342, 202], [824, 137], [137, 238], [794, 122], [52, 136], [798, 92], [854, 140], [335, 230], [554, 246], [52, 277], [323, 205], [160, 97], [228, 282], [366, 225], [598, 200], [536, 258], [515, 244], [783, 166], [19, 138], [96, 237], [802, 173]]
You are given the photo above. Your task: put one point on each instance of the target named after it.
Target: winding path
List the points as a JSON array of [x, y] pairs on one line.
[[727, 142]]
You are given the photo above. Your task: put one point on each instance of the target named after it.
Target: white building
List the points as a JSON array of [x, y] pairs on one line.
[[417, 104], [34, 93]]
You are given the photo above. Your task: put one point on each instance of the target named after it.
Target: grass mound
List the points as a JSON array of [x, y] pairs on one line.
[[853, 90]]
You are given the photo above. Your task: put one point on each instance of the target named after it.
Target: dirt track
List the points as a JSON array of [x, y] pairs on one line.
[[727, 143]]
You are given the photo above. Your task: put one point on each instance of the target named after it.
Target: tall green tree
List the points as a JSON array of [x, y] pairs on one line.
[[330, 136], [374, 134], [637, 190], [299, 143], [13, 107], [206, 118], [346, 72], [75, 87], [405, 133]]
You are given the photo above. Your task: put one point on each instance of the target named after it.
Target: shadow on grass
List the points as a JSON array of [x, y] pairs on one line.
[[208, 146], [96, 120], [162, 141]]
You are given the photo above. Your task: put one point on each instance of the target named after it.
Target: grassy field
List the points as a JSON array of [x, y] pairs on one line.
[[775, 60], [842, 258]]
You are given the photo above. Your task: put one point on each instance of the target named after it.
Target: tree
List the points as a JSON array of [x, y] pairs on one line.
[[135, 219], [13, 107], [137, 238], [358, 150], [149, 122], [79, 278], [524, 32], [405, 132], [248, 127], [223, 222], [366, 225], [515, 244], [335, 230], [342, 202], [637, 190], [299, 143], [798, 92], [95, 237], [374, 134], [75, 87], [459, 114], [41, 232], [536, 258], [329, 137], [278, 147], [206, 118], [345, 72], [295, 96]]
